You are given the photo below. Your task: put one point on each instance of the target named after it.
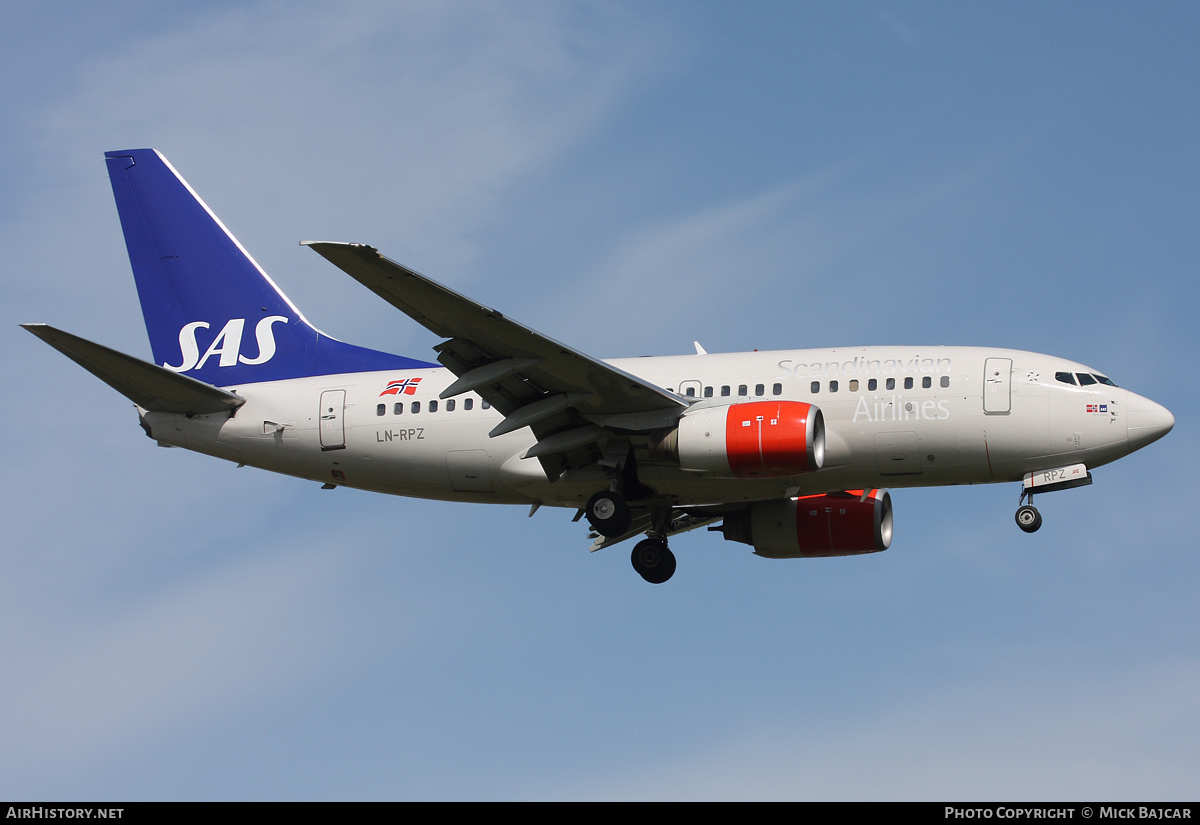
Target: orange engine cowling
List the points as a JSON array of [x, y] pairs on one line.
[[832, 524], [758, 439]]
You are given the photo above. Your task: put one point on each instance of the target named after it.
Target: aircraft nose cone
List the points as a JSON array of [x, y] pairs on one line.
[[1147, 422]]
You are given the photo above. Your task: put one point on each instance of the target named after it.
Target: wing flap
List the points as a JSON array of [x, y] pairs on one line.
[[149, 386], [681, 522], [488, 374]]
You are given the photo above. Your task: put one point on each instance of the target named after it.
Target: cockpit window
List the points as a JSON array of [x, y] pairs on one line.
[[1103, 379], [1065, 377], [1085, 379]]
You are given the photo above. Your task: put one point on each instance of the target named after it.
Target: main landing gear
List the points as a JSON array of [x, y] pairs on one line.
[[608, 514], [653, 561], [611, 517]]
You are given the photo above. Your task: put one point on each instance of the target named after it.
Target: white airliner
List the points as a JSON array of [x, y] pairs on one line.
[[785, 451]]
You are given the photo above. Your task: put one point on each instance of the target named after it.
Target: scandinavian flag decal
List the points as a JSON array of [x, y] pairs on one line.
[[407, 386]]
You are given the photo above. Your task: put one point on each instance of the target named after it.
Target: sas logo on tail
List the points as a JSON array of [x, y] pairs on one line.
[[407, 386], [227, 344]]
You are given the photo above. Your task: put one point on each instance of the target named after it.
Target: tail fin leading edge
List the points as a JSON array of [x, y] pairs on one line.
[[210, 310]]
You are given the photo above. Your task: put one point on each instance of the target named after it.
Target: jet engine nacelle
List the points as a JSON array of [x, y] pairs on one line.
[[833, 524], [758, 439]]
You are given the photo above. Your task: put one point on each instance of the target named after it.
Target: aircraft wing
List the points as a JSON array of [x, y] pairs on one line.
[[149, 386], [533, 380], [681, 522]]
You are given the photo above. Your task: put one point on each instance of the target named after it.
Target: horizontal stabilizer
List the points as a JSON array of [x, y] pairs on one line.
[[150, 387]]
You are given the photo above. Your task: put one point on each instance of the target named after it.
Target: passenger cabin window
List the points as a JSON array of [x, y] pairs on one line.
[[450, 405], [416, 406], [815, 387], [468, 403], [708, 392], [742, 390], [908, 383], [759, 389], [690, 392], [891, 383], [945, 381], [381, 409], [483, 405], [926, 382], [398, 408], [854, 385], [833, 385], [724, 390], [433, 406], [777, 389], [872, 384]]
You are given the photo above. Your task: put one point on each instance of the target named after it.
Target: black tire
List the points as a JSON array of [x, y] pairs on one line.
[[1028, 518], [608, 514], [653, 561]]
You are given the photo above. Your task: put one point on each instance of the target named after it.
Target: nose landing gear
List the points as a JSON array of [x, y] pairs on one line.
[[1028, 518], [1047, 481]]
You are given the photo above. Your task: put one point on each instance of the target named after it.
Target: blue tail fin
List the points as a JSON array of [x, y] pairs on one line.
[[210, 310]]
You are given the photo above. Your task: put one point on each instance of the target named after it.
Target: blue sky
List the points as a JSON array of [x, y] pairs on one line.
[[628, 178]]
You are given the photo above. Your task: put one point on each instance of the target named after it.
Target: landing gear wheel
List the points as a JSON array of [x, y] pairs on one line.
[[608, 514], [653, 561], [1028, 518]]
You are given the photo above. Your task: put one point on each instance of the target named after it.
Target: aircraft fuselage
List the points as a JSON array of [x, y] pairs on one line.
[[894, 417]]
